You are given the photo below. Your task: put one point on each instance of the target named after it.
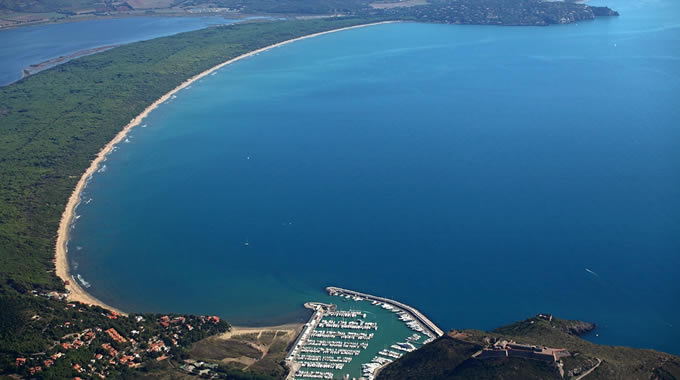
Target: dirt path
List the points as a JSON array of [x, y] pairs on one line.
[[599, 361], [287, 331], [237, 330]]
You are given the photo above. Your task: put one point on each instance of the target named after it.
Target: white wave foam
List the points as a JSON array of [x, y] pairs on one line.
[[82, 281]]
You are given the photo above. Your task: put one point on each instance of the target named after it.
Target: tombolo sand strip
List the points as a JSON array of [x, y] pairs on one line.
[[77, 293]]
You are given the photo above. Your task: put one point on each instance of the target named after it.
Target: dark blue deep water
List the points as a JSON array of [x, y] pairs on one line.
[[25, 46], [473, 172]]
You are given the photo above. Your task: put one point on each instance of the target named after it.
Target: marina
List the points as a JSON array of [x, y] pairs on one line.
[[409, 314], [356, 337]]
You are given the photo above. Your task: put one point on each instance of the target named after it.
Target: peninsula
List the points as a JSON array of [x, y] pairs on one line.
[[541, 347], [38, 67]]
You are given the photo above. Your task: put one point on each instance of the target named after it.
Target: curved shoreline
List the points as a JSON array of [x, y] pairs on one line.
[[76, 292]]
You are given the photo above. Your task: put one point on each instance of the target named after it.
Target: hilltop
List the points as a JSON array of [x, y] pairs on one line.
[[482, 355]]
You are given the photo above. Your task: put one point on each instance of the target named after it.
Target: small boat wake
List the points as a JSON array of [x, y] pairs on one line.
[[591, 272]]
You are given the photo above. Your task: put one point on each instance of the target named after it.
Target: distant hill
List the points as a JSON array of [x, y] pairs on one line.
[[451, 356], [484, 12]]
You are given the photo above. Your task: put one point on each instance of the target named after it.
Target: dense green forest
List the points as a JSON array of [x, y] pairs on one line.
[[53, 123]]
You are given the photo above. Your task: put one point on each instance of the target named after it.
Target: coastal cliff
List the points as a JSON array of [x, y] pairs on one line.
[[536, 348], [579, 328], [603, 11]]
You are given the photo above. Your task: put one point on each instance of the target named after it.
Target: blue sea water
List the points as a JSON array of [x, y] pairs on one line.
[[22, 47], [480, 174]]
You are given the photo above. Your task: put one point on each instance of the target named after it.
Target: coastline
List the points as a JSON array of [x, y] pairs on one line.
[[119, 16], [76, 292], [52, 62]]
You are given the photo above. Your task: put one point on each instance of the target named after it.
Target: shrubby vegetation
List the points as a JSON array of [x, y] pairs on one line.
[[450, 356]]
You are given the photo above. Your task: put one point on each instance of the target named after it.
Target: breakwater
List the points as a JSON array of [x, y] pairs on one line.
[[420, 317], [343, 340]]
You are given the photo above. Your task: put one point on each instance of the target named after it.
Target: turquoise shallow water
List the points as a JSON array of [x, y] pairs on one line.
[[390, 330], [25, 46], [472, 172]]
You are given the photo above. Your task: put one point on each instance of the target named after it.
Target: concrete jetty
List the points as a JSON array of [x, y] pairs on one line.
[[319, 310], [420, 317]]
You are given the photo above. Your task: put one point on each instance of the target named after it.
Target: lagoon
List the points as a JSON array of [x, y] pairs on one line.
[[22, 47], [479, 174]]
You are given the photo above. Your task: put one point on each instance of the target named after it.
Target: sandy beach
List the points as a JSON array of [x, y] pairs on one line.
[[77, 293]]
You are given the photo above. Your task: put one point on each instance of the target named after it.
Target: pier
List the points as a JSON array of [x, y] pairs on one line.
[[319, 310], [295, 366], [420, 317]]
